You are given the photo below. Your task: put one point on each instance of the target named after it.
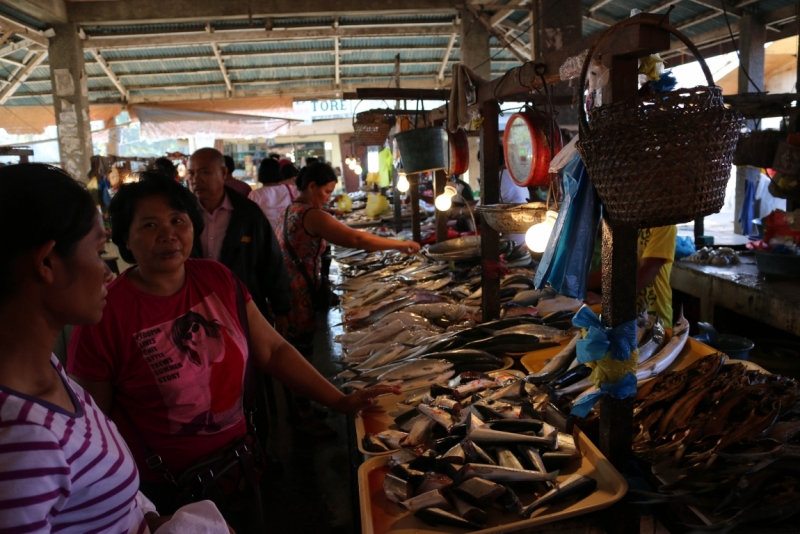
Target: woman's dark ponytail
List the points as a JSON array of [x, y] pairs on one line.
[[319, 173]]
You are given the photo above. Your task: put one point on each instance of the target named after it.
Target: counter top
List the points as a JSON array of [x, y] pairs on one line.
[[742, 289]]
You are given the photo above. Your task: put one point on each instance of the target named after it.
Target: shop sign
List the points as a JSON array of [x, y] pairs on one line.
[[322, 109]]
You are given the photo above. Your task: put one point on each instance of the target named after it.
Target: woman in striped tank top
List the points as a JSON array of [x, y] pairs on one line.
[[63, 465]]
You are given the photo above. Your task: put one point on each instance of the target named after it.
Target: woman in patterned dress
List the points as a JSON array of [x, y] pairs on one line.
[[303, 232]]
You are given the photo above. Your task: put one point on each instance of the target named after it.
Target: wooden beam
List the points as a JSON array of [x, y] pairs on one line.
[[390, 93], [110, 73], [781, 15], [46, 11], [336, 64], [140, 41], [133, 11], [605, 20], [32, 34], [699, 19], [18, 76], [446, 57], [222, 68], [717, 4], [498, 35], [500, 16], [661, 5], [597, 5]]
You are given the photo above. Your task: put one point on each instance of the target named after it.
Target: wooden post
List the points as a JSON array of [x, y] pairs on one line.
[[490, 194], [413, 189]]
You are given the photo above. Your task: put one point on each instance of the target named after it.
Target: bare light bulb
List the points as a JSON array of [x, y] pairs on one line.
[[402, 183], [357, 169], [443, 202], [538, 235], [450, 191]]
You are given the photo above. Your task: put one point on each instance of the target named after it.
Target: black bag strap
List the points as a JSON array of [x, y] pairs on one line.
[[295, 260], [153, 459]]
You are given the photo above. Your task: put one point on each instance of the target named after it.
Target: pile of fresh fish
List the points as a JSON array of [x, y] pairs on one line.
[[724, 439], [478, 441]]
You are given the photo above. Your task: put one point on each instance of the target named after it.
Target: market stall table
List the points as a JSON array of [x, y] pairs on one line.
[[743, 290]]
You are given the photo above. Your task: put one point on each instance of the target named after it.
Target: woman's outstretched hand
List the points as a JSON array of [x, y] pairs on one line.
[[409, 247], [362, 399]]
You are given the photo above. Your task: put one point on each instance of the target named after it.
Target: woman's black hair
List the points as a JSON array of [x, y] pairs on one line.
[[269, 172], [319, 173], [151, 184], [40, 203], [164, 166], [289, 171]]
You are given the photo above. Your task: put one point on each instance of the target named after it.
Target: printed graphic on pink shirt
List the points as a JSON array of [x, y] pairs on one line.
[[197, 361]]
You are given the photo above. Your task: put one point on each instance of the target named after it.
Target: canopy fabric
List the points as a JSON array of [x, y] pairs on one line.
[[160, 123]]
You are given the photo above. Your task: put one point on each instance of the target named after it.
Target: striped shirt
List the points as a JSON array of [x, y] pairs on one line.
[[64, 472]]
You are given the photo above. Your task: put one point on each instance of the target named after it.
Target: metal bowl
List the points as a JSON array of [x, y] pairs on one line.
[[461, 248], [513, 218]]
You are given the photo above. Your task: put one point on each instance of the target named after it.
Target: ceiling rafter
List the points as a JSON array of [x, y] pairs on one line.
[[18, 76], [500, 36], [106, 43], [98, 57], [223, 69], [500, 16], [446, 58]]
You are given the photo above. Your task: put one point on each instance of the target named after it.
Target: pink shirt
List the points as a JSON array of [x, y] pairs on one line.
[[273, 199], [216, 226]]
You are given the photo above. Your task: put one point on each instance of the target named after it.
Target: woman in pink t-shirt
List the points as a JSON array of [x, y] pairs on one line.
[[169, 355]]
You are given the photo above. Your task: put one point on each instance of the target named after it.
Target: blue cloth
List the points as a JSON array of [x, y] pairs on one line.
[[684, 246], [620, 341], [567, 259], [747, 214], [624, 389]]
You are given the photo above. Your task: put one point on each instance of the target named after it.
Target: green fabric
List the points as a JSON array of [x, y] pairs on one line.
[[385, 164]]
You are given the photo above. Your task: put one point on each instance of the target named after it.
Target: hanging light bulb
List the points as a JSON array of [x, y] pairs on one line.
[[351, 164], [357, 169], [402, 182], [443, 202], [347, 161], [450, 191], [538, 235]]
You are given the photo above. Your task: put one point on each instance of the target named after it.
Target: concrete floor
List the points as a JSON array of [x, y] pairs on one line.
[[316, 492]]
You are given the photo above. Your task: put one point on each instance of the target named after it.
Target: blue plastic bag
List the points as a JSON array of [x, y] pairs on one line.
[[566, 263], [684, 246]]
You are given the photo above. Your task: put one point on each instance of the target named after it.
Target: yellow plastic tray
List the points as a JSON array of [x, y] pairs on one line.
[[379, 515]]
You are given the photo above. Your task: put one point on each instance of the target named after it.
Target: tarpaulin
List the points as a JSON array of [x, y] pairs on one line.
[[160, 123]]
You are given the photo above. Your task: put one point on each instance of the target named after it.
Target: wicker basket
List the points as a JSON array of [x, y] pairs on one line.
[[660, 159], [757, 148], [372, 127]]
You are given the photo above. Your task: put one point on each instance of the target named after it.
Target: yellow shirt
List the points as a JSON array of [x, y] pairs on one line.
[[658, 243]]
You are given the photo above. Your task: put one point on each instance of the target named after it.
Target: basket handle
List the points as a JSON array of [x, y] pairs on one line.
[[638, 21]]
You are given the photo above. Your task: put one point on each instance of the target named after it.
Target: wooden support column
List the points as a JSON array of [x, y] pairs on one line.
[[490, 194], [439, 181], [474, 45], [413, 190], [752, 36]]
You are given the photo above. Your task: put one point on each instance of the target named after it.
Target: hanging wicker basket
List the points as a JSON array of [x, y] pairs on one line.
[[372, 127], [757, 148], [660, 159]]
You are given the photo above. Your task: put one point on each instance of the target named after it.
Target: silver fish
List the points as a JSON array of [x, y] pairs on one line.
[[574, 485], [414, 369], [473, 386], [664, 358], [392, 438], [382, 357], [657, 335], [419, 432], [506, 458], [558, 363], [430, 499], [487, 435], [438, 415], [397, 490], [421, 381], [496, 473]]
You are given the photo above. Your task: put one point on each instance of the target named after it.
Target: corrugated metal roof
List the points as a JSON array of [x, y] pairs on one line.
[[309, 62]]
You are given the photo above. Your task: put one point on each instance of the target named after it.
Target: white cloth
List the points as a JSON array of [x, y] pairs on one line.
[[198, 518], [510, 192], [462, 96], [273, 199]]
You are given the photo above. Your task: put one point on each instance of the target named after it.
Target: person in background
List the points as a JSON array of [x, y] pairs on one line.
[[165, 167], [274, 155], [303, 232], [238, 235], [655, 253], [310, 160], [237, 185], [278, 189], [63, 464], [167, 360]]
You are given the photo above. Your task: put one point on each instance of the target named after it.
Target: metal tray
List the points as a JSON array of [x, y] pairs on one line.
[[377, 419], [379, 515], [460, 248]]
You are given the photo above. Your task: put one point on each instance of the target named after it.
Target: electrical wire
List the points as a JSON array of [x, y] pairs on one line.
[[735, 47], [545, 12]]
